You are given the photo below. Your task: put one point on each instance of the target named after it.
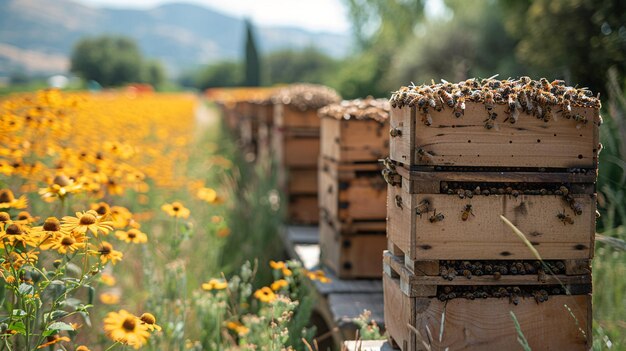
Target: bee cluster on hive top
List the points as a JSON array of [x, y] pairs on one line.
[[306, 96], [360, 109], [540, 98]]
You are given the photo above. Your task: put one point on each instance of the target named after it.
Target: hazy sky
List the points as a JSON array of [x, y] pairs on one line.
[[318, 15]]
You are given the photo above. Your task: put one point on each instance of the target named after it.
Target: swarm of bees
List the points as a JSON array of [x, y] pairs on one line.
[[390, 174], [513, 293], [449, 270], [542, 99], [469, 189], [368, 108], [306, 96]]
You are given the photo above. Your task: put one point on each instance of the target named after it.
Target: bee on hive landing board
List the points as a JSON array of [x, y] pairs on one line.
[[436, 217], [489, 101], [424, 156], [459, 107], [422, 207], [446, 98], [467, 211], [565, 218]]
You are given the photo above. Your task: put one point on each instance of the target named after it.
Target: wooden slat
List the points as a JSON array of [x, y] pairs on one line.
[[352, 199], [286, 116], [465, 141], [303, 209], [302, 181], [352, 256], [486, 324], [484, 235], [353, 140]]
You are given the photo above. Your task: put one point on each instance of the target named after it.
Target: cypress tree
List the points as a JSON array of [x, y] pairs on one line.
[[253, 74]]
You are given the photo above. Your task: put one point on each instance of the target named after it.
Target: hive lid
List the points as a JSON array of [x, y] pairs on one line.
[[306, 96], [360, 109]]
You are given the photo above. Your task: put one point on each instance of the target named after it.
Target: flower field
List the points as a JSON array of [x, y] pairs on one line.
[[118, 230]]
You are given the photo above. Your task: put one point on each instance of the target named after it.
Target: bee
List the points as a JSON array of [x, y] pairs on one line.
[[582, 120], [426, 118], [545, 84], [446, 97], [565, 218], [399, 201], [489, 101], [422, 207], [489, 122], [459, 107], [548, 115], [436, 217], [424, 155], [467, 211], [541, 276], [392, 178]]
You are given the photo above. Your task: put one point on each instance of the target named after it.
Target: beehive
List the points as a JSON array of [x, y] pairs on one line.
[[352, 191], [295, 144], [463, 155]]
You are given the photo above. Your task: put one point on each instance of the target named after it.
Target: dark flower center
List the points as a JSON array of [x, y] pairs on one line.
[[4, 217], [105, 249], [68, 241], [61, 180], [6, 196], [14, 229], [87, 219], [129, 324], [52, 225]]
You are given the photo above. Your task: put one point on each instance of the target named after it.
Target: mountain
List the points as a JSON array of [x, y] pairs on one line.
[[37, 36]]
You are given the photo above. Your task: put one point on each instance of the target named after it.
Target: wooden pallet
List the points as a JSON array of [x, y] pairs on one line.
[[483, 235], [354, 140], [302, 209], [352, 255], [416, 321], [352, 192], [464, 141], [288, 117]]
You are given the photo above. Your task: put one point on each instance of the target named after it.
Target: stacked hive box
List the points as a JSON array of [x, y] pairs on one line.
[[463, 155], [296, 146], [352, 191]]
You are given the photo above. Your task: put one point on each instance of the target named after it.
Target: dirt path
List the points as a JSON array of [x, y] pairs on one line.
[[205, 115]]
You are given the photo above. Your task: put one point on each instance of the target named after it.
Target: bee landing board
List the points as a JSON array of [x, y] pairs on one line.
[[352, 254], [352, 192], [466, 141], [563, 322], [437, 215]]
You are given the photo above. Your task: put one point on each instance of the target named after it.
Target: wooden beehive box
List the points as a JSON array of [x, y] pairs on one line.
[[303, 209], [352, 192], [355, 131], [352, 251], [298, 149], [425, 312], [428, 216], [295, 106]]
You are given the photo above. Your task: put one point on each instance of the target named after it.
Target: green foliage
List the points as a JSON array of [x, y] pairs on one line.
[[220, 74], [573, 39], [360, 76], [113, 61], [253, 66], [288, 66]]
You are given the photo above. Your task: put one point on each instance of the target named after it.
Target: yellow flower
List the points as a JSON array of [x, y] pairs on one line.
[[107, 253], [214, 284], [60, 187], [318, 275], [238, 328], [150, 321], [8, 200], [87, 221], [287, 272], [109, 298], [14, 233], [107, 279], [65, 243], [120, 216], [25, 218], [207, 194], [176, 209], [50, 230], [82, 348], [265, 294], [53, 339], [126, 328], [216, 219], [5, 217], [133, 235], [279, 284], [223, 232], [102, 209], [277, 265]]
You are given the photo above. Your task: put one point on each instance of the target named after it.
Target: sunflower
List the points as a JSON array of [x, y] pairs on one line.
[[109, 298], [214, 284], [65, 242], [265, 294], [85, 221], [318, 275], [176, 209], [133, 235], [150, 321], [207, 194], [53, 339], [120, 216], [5, 217], [102, 209], [17, 259], [8, 200], [126, 328], [25, 218], [107, 253]]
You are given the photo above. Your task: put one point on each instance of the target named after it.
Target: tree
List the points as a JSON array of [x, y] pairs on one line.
[[221, 74], [309, 65], [153, 73], [253, 74], [109, 60]]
